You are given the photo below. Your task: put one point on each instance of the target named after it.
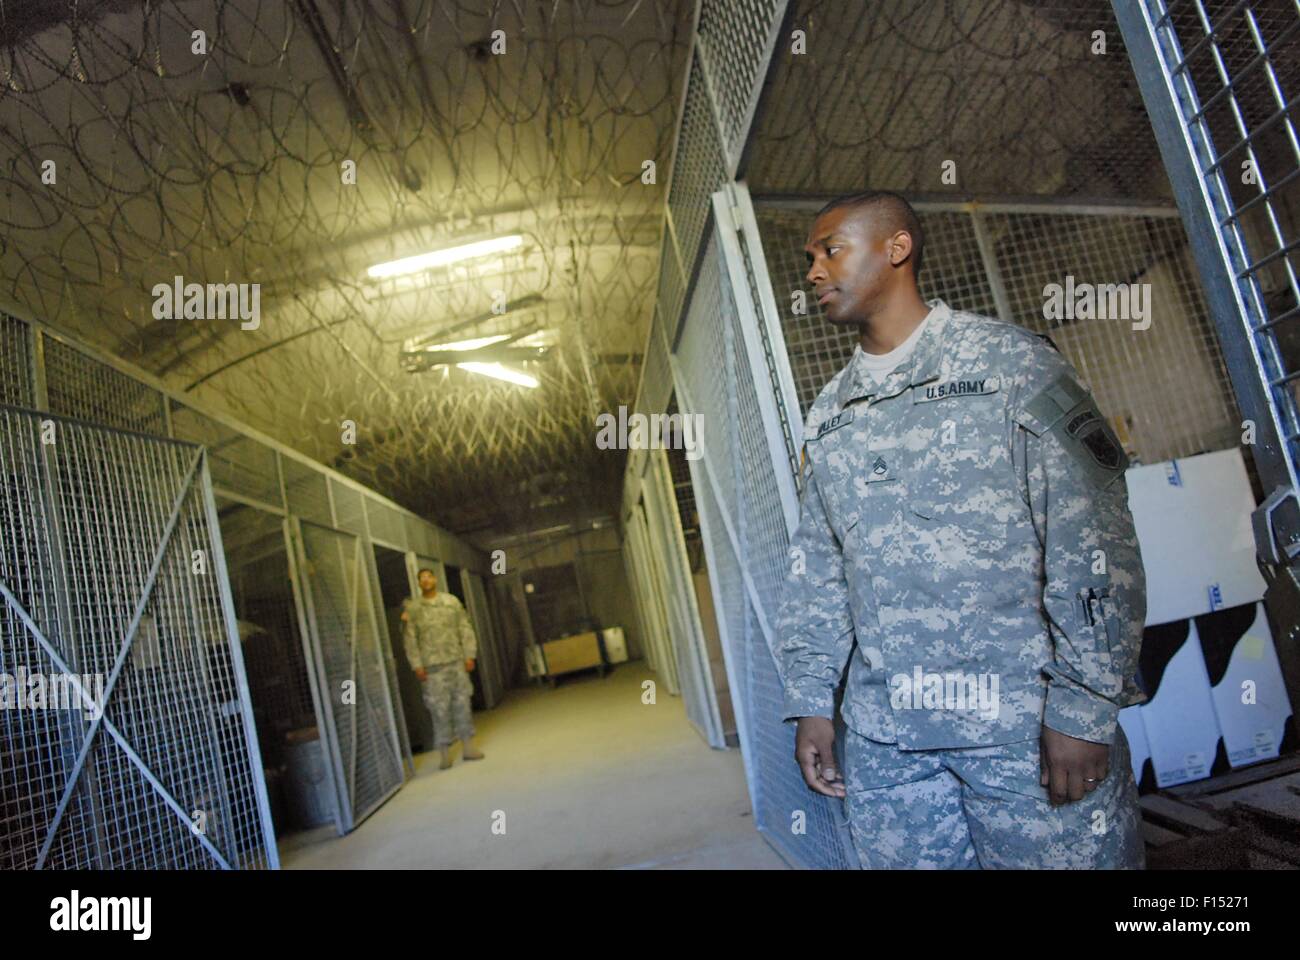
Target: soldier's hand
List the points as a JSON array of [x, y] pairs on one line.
[[421, 674], [1070, 767], [469, 665], [814, 750]]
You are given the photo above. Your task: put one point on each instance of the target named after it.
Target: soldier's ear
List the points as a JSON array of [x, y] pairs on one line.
[[900, 246]]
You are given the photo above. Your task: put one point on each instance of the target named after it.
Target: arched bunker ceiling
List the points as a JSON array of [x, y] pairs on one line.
[[227, 166]]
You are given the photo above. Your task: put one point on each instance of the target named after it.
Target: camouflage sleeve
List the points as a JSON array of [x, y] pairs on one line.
[[468, 639], [1072, 474], [814, 623], [408, 638]]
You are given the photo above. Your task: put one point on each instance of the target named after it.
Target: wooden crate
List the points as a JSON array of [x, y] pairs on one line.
[[578, 652]]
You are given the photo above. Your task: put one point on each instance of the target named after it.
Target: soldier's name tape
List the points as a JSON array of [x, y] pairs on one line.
[[941, 391], [1062, 408]]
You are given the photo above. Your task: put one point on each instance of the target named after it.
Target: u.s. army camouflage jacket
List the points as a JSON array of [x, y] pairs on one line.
[[437, 631], [966, 522]]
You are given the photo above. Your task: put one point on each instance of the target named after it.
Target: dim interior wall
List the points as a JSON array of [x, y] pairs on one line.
[[597, 556], [517, 630], [505, 628], [608, 597]]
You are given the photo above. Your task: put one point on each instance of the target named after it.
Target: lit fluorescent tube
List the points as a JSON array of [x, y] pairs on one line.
[[441, 258], [467, 344], [500, 372]]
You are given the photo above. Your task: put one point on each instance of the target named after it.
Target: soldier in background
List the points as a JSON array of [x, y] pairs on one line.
[[441, 647], [964, 518]]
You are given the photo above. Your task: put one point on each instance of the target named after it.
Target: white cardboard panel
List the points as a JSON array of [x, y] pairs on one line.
[[1252, 731], [615, 644], [1180, 722], [1130, 720], [1193, 524]]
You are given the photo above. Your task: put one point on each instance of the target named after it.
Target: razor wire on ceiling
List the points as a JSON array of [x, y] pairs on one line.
[[141, 141], [1024, 97]]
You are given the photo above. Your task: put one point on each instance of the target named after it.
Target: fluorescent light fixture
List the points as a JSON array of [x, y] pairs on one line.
[[539, 338], [468, 344], [441, 258], [500, 372]]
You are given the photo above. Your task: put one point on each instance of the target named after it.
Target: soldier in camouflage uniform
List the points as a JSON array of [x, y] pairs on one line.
[[441, 647], [965, 540]]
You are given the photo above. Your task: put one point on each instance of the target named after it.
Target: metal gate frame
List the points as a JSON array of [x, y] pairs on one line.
[[489, 653], [344, 775], [1198, 175], [324, 719], [638, 581], [694, 673], [386, 651], [741, 249], [196, 476], [762, 351], [665, 662]]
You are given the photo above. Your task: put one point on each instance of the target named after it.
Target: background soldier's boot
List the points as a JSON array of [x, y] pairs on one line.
[[472, 752], [446, 758]]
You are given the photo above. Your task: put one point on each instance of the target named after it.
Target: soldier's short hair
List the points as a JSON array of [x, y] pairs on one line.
[[895, 212]]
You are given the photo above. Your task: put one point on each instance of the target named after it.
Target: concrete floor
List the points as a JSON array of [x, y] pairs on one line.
[[587, 777]]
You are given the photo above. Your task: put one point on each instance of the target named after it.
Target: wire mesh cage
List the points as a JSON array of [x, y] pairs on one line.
[[110, 573], [997, 98], [1168, 383], [82, 387], [15, 363], [77, 492], [352, 675], [239, 463]]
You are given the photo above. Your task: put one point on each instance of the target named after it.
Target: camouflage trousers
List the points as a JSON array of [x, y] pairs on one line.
[[983, 808], [447, 693]]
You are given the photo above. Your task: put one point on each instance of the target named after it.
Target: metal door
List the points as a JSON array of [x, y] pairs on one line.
[[651, 589], [729, 366], [489, 652], [693, 670], [358, 722], [1220, 86], [113, 581], [636, 580]]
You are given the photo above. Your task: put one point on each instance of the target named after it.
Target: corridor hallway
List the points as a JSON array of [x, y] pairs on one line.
[[588, 777]]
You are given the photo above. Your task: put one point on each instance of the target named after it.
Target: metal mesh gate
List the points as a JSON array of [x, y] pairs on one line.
[[351, 672], [1220, 82], [490, 676], [743, 523], [671, 570], [647, 587], [41, 368], [112, 571]]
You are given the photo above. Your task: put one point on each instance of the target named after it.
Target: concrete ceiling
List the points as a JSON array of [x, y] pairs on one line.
[[227, 166]]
